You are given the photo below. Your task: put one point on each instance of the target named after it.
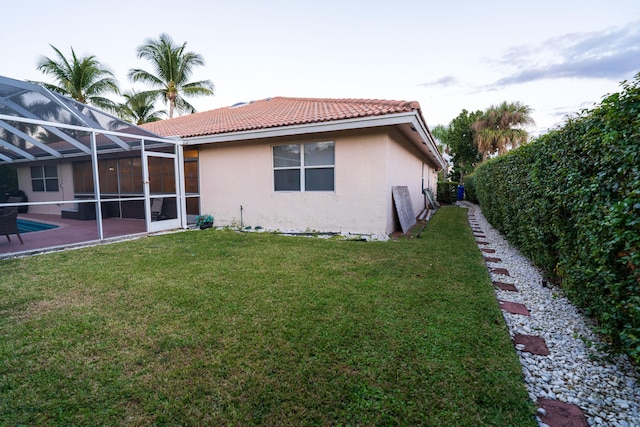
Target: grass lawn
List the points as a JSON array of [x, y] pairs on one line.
[[225, 328]]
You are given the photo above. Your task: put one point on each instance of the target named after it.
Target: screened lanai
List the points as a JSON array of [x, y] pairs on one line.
[[78, 165]]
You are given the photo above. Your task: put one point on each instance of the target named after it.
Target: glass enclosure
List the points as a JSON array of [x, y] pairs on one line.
[[77, 165]]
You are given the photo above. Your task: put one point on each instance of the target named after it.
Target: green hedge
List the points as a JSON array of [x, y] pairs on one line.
[[470, 192], [570, 201], [447, 192]]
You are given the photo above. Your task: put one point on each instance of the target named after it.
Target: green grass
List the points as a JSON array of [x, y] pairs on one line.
[[224, 328]]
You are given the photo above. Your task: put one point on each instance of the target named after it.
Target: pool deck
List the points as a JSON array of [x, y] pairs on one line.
[[70, 232]]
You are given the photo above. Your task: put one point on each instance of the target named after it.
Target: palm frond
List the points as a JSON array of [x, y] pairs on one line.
[[172, 69]]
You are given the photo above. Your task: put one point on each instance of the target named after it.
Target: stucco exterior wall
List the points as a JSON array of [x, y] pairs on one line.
[[65, 189], [367, 165], [241, 174], [404, 168]]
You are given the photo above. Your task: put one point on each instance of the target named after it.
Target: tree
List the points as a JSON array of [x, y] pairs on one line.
[[173, 69], [84, 79], [460, 140], [498, 129], [8, 179], [139, 108], [440, 132]]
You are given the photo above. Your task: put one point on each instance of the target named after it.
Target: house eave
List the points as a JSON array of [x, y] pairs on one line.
[[423, 140]]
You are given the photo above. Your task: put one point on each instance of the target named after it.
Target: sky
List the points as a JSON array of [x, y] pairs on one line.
[[558, 57]]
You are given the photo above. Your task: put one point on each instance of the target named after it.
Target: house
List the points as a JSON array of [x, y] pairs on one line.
[[306, 164], [279, 163]]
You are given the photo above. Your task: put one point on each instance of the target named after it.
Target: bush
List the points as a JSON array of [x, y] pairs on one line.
[[447, 192], [470, 188], [571, 202]]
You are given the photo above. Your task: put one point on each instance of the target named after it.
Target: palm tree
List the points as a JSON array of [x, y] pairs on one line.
[[139, 108], [440, 133], [173, 69], [498, 129], [84, 79]]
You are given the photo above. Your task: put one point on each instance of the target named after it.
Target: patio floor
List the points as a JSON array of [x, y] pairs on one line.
[[70, 232]]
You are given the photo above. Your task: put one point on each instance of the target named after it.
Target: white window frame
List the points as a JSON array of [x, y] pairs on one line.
[[43, 179], [302, 168]]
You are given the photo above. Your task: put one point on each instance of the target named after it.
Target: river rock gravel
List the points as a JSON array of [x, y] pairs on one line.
[[578, 369]]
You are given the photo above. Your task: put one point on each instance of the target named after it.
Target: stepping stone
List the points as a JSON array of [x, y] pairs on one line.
[[532, 344], [488, 250], [502, 271], [561, 414], [492, 259], [479, 235], [514, 307], [505, 286], [482, 243]]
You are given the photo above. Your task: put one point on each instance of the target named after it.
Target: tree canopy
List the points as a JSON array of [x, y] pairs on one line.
[[499, 129], [460, 140], [473, 137], [139, 108], [173, 67], [84, 79]]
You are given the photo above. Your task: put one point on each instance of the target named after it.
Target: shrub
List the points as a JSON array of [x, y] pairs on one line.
[[470, 188], [447, 192], [571, 202]]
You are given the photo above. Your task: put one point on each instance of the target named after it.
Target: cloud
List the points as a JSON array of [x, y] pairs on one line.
[[443, 81], [608, 54]]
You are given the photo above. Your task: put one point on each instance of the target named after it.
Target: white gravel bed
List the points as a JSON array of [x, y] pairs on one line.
[[578, 371]]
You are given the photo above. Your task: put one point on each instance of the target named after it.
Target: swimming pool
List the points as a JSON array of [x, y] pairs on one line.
[[26, 226]]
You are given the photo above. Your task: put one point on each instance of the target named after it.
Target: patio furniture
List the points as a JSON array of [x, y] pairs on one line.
[[9, 223], [83, 211], [12, 199], [156, 209]]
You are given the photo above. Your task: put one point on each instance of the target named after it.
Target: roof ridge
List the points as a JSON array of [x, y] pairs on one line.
[[396, 103]]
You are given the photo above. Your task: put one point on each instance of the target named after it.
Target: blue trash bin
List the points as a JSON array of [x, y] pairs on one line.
[[460, 192]]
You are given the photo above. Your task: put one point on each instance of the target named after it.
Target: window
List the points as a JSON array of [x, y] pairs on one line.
[[44, 178], [304, 166], [117, 176]]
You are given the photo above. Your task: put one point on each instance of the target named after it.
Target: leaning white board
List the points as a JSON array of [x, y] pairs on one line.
[[404, 207]]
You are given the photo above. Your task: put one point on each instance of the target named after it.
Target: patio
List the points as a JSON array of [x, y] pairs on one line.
[[70, 156], [69, 233]]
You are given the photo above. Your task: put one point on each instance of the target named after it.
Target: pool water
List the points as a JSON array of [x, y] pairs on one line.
[[26, 226]]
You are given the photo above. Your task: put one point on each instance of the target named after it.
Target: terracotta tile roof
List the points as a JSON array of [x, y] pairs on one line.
[[276, 112]]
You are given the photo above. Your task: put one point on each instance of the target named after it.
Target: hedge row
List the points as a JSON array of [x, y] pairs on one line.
[[447, 192], [470, 192], [570, 201]]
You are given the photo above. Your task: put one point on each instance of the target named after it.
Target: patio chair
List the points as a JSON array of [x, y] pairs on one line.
[[9, 223], [10, 199], [156, 209], [16, 199]]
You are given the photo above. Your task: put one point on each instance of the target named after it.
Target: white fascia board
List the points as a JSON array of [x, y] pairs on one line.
[[409, 118], [302, 129], [428, 140]]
